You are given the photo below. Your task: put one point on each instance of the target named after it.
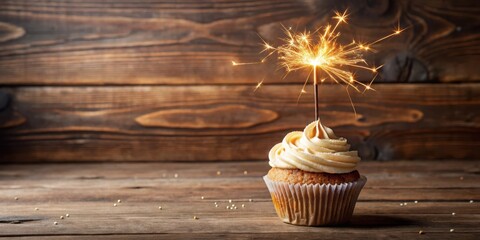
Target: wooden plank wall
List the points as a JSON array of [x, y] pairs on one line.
[[122, 80]]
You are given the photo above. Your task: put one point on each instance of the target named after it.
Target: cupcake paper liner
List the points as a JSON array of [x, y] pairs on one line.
[[315, 204]]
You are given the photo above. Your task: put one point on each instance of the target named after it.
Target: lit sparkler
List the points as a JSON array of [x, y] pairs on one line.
[[322, 54]]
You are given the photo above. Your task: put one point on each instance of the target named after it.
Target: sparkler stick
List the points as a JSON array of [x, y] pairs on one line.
[[315, 92]]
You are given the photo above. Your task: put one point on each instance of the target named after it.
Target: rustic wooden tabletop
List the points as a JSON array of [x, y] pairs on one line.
[[414, 199]]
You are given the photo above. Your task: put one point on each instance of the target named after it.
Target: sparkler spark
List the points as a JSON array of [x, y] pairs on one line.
[[321, 52], [258, 85]]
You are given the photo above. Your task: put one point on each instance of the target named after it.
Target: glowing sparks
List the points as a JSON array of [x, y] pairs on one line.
[[341, 17], [258, 85], [323, 55], [239, 64], [322, 51]]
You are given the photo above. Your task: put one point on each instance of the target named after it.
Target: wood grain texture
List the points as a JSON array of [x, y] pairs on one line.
[[87, 193], [184, 42], [179, 123], [226, 116], [268, 236]]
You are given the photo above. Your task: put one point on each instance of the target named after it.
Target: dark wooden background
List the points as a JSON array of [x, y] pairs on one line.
[[148, 80]]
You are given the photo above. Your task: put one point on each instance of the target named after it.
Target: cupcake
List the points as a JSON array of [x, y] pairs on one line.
[[313, 180]]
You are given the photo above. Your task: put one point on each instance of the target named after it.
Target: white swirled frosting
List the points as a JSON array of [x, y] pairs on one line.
[[316, 149]]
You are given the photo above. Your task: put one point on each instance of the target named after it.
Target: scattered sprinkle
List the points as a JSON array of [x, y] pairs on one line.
[[420, 232], [219, 173], [453, 214], [114, 204], [250, 200], [235, 207], [227, 207], [175, 175], [16, 198], [195, 217], [62, 217], [67, 215], [405, 204], [230, 201], [160, 207], [55, 223], [471, 201], [243, 205], [245, 172], [216, 205], [416, 202], [401, 204], [202, 197], [36, 209], [452, 230], [119, 201]]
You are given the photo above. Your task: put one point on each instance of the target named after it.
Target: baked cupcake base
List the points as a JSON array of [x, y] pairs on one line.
[[303, 177], [315, 204]]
